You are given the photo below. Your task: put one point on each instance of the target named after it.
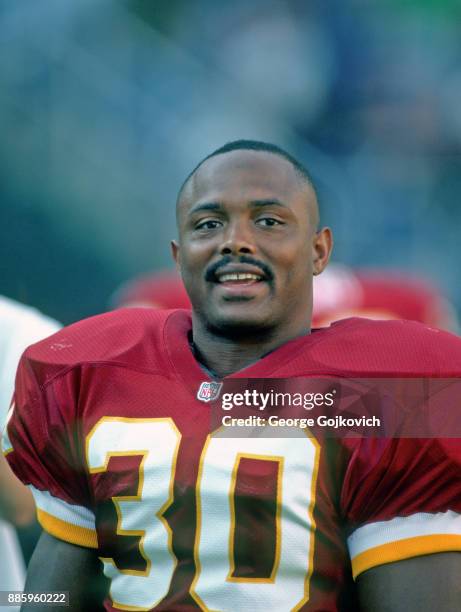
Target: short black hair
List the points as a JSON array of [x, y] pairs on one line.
[[254, 145]]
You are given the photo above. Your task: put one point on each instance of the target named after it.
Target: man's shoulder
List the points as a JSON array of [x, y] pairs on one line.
[[131, 337], [389, 332], [362, 347]]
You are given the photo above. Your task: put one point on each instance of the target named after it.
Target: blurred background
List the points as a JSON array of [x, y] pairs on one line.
[[106, 106]]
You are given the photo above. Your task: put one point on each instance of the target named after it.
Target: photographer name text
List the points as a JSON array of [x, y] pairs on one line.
[[336, 422]]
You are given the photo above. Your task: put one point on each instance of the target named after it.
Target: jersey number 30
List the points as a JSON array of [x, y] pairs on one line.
[[217, 584]]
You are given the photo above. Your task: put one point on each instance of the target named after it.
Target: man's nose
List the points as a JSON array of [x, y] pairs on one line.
[[238, 239]]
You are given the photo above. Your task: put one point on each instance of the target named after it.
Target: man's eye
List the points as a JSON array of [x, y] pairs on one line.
[[208, 224], [268, 221]]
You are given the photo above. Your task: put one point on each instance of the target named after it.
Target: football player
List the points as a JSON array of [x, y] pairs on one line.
[[110, 432], [156, 290], [20, 325], [342, 292]]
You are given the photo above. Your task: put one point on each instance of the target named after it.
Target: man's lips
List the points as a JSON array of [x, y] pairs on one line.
[[240, 282], [241, 289], [246, 270]]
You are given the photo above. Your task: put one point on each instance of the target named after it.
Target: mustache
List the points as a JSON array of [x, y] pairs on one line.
[[210, 272]]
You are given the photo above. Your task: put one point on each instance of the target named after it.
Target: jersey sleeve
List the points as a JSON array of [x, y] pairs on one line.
[[402, 499], [41, 444]]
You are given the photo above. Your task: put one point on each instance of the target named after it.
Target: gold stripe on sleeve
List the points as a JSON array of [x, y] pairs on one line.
[[404, 549], [74, 534]]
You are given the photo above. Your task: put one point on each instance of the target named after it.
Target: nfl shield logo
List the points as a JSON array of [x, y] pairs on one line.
[[209, 391]]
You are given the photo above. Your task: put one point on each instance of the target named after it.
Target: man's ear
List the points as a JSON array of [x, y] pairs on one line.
[[322, 245], [176, 256]]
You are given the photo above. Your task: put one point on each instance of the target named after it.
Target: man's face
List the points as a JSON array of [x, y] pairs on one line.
[[248, 245]]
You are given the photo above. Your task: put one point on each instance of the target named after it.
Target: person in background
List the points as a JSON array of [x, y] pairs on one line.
[[161, 289], [343, 292], [20, 326]]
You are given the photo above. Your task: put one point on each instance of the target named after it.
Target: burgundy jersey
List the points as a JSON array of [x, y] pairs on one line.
[[109, 433]]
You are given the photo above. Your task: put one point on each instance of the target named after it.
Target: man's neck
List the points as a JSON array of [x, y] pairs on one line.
[[223, 355]]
